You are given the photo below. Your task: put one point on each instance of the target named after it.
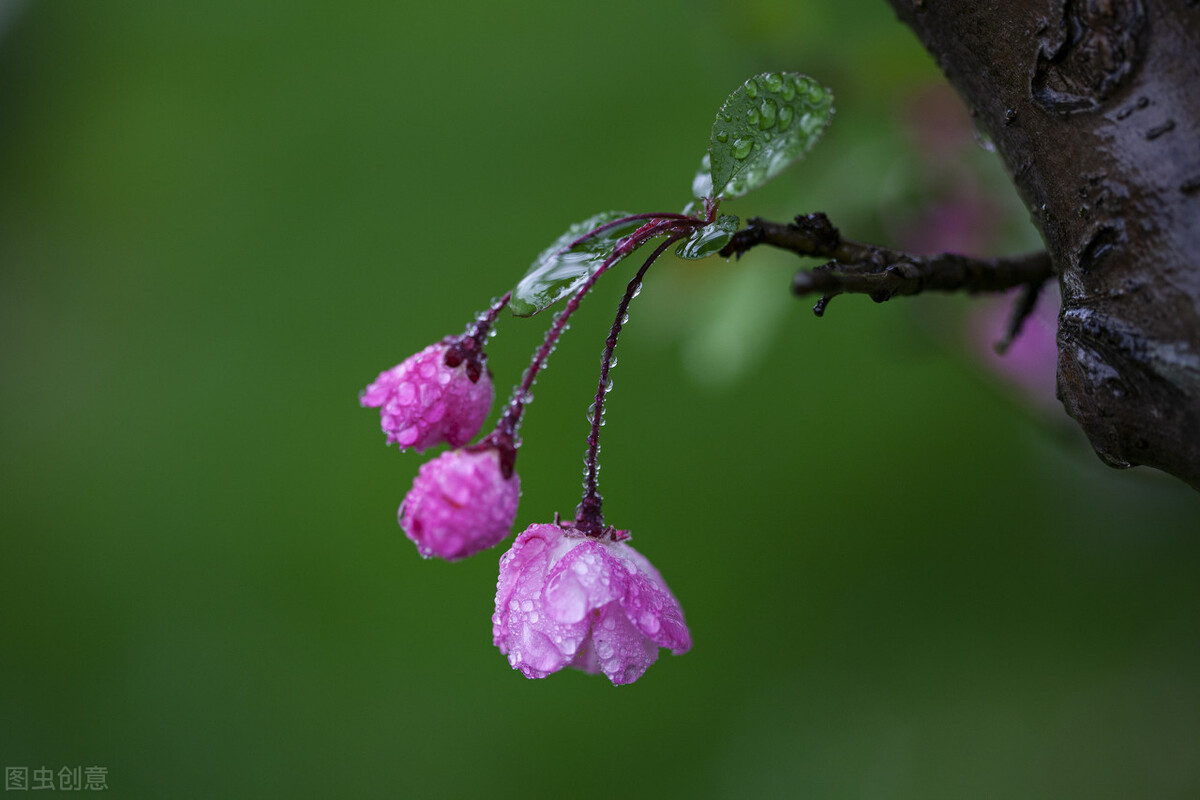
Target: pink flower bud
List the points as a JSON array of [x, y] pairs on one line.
[[460, 503], [423, 402], [564, 599]]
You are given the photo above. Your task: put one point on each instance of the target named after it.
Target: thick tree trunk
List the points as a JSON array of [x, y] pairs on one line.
[[1094, 105]]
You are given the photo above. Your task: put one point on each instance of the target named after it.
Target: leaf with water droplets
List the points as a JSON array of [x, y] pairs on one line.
[[767, 124], [561, 267], [709, 240]]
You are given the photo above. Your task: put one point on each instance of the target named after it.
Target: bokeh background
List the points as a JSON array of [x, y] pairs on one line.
[[905, 576]]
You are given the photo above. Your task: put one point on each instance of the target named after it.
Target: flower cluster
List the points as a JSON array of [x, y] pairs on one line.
[[568, 595]]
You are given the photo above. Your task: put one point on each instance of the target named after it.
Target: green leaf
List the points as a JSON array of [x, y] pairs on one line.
[[768, 123], [710, 239], [560, 269]]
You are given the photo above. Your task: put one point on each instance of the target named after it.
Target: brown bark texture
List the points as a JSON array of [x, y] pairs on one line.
[[1094, 106]]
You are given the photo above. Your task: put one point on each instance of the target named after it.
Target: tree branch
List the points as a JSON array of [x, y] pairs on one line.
[[882, 273], [1092, 107]]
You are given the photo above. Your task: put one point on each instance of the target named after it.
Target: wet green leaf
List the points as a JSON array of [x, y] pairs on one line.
[[768, 123], [560, 269], [710, 239]]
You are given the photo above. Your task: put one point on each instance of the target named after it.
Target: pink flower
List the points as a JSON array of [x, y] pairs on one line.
[[564, 599], [1031, 363], [424, 401], [460, 503]]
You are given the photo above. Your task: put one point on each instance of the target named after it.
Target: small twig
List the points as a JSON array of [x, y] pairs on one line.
[[1026, 303], [883, 273]]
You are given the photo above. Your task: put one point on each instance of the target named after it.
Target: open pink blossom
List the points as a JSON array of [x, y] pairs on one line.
[[460, 503], [564, 599], [423, 402]]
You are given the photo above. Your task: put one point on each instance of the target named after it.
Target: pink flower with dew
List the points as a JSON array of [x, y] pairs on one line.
[[460, 503], [423, 401], [564, 599]]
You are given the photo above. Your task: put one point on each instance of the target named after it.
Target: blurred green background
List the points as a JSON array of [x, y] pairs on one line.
[[219, 221]]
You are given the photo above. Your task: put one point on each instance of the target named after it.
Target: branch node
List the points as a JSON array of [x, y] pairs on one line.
[[819, 308]]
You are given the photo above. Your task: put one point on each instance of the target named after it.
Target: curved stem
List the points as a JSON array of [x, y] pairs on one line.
[[469, 346], [588, 516], [485, 321], [631, 218], [510, 422]]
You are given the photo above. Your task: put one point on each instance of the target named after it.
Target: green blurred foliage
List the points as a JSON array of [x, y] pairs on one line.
[[219, 221]]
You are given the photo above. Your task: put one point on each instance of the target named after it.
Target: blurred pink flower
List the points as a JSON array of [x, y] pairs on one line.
[[1031, 361], [460, 503], [564, 599], [423, 401]]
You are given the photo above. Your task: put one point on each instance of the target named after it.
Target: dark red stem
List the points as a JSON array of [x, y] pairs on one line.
[[588, 516], [469, 346]]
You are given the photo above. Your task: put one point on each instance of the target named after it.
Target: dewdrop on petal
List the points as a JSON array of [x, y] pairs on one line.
[[441, 394], [460, 503], [564, 599]]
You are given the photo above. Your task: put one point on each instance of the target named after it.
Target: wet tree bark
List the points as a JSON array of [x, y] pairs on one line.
[[1094, 106]]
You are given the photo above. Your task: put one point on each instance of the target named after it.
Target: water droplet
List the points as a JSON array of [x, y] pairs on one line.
[[604, 650], [725, 115], [773, 82], [982, 139], [769, 110], [752, 116], [785, 116], [788, 90], [816, 94], [742, 148], [722, 137], [751, 88], [591, 414]]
